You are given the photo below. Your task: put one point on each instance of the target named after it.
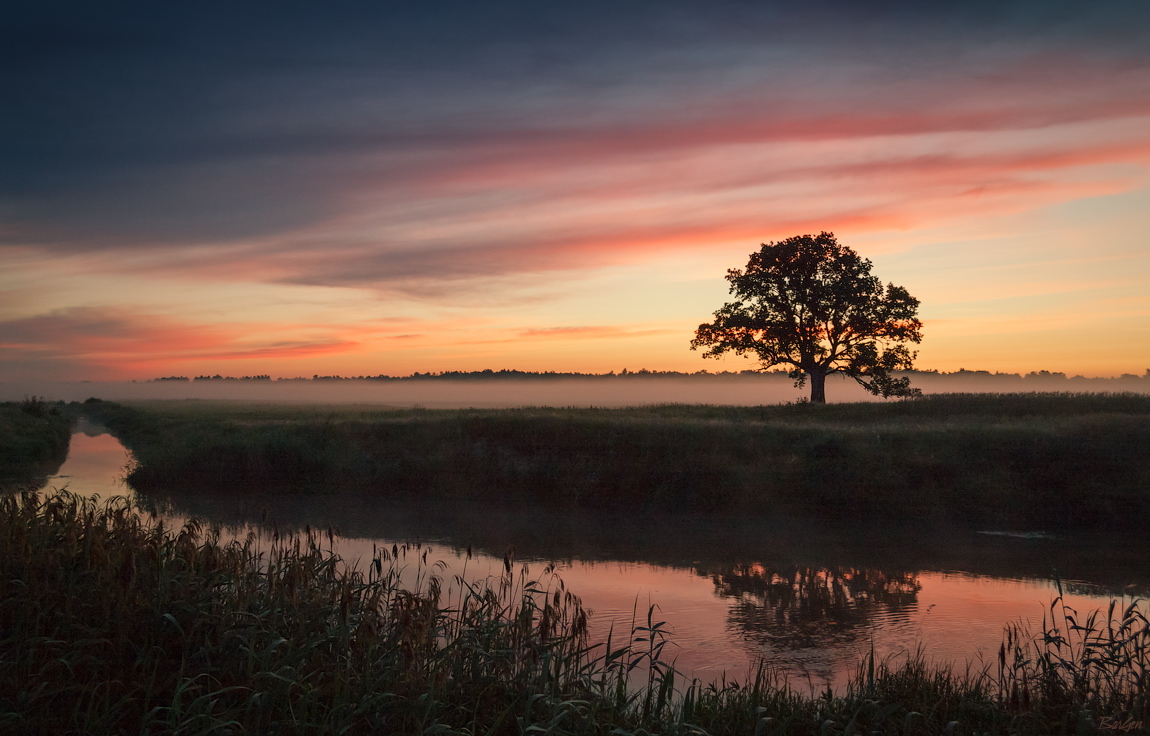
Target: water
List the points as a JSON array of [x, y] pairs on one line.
[[96, 464], [806, 597]]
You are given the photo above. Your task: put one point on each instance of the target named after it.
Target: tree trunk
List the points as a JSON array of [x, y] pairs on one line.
[[818, 386]]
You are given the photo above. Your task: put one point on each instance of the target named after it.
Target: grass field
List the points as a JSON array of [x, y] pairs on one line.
[[1043, 461]]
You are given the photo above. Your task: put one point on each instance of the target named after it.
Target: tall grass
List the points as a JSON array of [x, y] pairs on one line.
[[1098, 663], [112, 622]]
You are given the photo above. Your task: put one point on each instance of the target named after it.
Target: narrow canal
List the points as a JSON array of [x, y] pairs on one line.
[[810, 600]]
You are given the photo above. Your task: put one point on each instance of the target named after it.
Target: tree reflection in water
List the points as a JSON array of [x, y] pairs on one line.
[[795, 617]]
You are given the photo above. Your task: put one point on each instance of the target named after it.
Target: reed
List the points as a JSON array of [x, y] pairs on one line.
[[1092, 668], [115, 622]]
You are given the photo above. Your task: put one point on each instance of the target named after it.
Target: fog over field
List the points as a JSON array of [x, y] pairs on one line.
[[743, 390]]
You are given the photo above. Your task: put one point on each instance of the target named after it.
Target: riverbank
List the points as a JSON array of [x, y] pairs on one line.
[[1019, 461], [113, 622], [34, 436]]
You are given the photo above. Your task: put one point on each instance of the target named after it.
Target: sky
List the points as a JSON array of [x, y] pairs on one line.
[[381, 188]]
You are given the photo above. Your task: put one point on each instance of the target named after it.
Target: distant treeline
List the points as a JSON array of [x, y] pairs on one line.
[[217, 377], [1046, 377]]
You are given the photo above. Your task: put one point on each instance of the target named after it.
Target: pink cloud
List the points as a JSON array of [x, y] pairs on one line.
[[117, 342]]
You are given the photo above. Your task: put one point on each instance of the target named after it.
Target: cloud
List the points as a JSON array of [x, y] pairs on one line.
[[151, 130], [117, 341], [492, 156], [590, 332], [606, 212]]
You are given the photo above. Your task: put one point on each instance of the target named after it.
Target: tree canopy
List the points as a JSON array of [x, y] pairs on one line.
[[812, 305]]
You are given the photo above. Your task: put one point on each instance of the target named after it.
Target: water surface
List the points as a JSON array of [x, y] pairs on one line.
[[803, 595]]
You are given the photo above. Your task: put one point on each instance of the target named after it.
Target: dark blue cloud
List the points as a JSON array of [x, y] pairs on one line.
[[142, 123]]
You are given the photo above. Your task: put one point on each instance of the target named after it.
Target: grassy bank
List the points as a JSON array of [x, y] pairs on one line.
[[1026, 461], [112, 623], [34, 438]]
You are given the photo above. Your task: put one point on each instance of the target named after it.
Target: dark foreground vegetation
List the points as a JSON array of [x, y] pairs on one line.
[[114, 623], [1045, 461], [34, 436]]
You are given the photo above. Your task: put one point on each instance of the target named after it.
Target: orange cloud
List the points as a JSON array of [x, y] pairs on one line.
[[598, 332], [116, 341]]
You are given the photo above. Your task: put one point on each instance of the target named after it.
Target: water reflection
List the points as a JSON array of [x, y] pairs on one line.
[[798, 607], [840, 593], [95, 466], [795, 615], [1097, 564]]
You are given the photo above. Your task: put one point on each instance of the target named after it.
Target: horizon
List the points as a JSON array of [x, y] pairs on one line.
[[369, 189], [642, 372], [510, 373], [495, 391]]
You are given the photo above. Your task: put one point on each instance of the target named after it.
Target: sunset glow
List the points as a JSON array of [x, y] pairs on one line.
[[383, 189]]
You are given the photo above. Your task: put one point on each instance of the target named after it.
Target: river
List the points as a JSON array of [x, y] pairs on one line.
[[806, 597]]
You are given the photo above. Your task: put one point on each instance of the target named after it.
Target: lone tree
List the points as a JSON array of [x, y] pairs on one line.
[[811, 304]]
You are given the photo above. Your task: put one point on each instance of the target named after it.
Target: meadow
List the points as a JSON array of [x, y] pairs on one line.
[[1019, 461], [112, 622]]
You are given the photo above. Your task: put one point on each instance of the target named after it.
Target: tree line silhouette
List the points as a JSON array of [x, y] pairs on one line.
[[1030, 378]]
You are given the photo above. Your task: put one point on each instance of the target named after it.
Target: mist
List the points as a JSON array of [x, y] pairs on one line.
[[614, 391]]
